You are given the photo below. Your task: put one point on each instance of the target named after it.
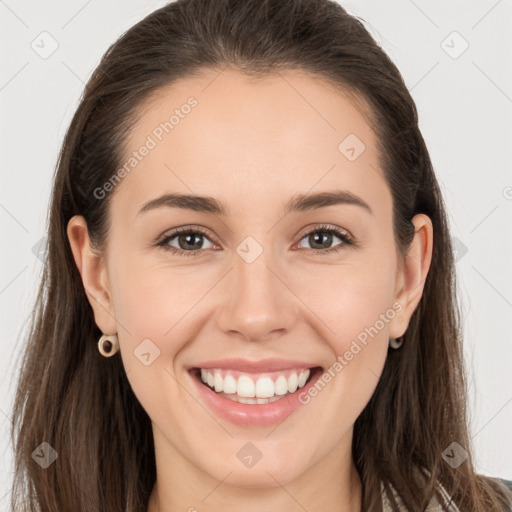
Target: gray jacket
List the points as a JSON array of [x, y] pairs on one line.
[[434, 505]]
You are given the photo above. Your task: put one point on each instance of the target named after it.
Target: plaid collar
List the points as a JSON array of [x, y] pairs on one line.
[[434, 506]]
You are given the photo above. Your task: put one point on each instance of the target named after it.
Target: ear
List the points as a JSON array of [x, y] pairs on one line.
[[412, 274], [92, 268]]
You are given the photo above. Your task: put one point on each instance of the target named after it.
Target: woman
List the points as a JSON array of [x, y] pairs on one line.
[[259, 373]]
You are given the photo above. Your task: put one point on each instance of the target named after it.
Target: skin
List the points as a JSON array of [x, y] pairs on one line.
[[252, 144]]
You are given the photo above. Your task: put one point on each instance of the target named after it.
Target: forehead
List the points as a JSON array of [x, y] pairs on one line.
[[232, 136]]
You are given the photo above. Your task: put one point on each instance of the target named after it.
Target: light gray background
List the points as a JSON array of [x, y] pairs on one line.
[[465, 109]]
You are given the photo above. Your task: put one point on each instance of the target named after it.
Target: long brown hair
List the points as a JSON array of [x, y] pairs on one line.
[[82, 404]]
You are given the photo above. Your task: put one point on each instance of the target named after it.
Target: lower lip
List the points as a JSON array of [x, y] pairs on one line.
[[253, 415]]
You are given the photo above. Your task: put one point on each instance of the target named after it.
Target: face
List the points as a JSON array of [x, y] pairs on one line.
[[319, 284]]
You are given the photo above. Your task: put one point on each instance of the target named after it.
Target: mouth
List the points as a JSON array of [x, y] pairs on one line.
[[255, 388]]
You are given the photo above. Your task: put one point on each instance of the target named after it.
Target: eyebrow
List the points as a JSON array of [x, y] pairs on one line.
[[298, 203]]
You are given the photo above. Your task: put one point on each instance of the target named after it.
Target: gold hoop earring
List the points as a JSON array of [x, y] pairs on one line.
[[108, 345], [396, 342]]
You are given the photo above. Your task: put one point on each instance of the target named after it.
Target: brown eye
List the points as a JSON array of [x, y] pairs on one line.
[[324, 236], [189, 241]]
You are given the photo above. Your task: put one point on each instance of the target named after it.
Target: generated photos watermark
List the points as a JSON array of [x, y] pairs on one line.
[[156, 136], [343, 360]]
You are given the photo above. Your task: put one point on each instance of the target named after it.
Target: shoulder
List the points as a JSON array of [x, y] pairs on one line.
[[507, 484], [446, 504], [434, 505]]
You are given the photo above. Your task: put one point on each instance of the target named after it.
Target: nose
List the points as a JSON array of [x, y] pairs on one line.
[[260, 305]]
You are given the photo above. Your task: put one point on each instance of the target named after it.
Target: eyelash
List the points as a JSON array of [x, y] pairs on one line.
[[343, 236]]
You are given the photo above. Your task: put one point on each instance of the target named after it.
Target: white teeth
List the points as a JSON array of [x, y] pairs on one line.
[[229, 385], [245, 387], [243, 400], [293, 382], [281, 385], [303, 377], [247, 390], [218, 382], [264, 387]]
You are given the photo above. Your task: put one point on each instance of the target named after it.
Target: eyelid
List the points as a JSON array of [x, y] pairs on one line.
[[322, 227], [344, 235], [185, 229]]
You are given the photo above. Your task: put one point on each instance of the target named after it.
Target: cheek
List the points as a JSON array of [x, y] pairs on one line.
[[151, 310], [352, 307], [151, 301], [345, 301]]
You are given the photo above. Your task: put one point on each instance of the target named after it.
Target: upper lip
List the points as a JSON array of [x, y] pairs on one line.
[[263, 365]]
